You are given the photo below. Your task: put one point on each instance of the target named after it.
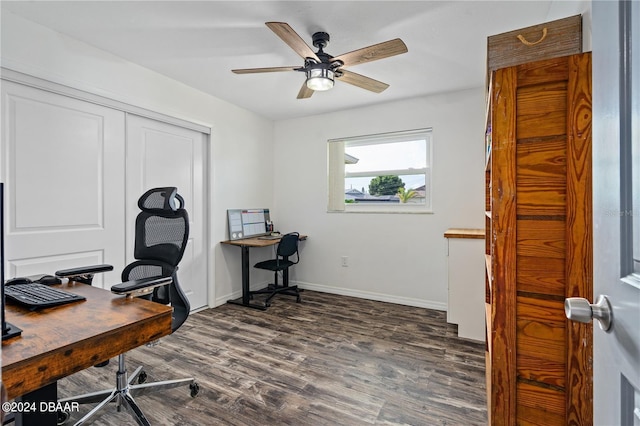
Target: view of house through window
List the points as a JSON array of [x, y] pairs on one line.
[[390, 172]]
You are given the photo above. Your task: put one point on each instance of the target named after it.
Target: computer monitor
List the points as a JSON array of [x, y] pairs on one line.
[[248, 223], [8, 330]]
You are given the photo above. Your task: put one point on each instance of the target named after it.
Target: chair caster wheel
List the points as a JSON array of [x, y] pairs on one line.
[[63, 416], [142, 377], [195, 388]]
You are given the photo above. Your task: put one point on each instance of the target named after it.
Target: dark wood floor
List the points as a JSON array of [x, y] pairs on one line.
[[330, 360]]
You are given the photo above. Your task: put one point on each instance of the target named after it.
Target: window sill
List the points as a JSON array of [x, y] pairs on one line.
[[381, 210]]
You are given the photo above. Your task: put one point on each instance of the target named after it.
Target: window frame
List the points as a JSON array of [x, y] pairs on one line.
[[336, 173]]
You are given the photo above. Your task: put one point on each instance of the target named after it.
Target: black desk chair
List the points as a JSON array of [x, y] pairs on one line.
[[162, 231], [287, 247]]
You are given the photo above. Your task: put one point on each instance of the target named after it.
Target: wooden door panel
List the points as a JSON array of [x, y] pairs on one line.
[[540, 275], [541, 370], [542, 180], [541, 341], [542, 110], [543, 72], [540, 166], [540, 406], [544, 238]]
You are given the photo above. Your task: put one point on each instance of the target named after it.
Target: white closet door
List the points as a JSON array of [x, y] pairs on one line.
[[63, 165], [160, 154]]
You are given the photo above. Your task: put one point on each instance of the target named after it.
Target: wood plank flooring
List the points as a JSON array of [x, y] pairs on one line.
[[330, 360]]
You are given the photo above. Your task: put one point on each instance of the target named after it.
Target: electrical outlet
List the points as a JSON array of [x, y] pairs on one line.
[[345, 261]]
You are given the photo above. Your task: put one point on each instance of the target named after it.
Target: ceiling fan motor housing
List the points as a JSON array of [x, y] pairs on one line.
[[320, 39]]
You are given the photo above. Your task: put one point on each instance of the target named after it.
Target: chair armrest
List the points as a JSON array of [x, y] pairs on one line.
[[93, 269], [83, 274], [135, 288]]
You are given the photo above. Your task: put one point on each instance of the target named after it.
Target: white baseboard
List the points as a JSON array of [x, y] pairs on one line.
[[237, 294], [407, 301]]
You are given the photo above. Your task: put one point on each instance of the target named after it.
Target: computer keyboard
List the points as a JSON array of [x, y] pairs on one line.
[[270, 237], [35, 296]]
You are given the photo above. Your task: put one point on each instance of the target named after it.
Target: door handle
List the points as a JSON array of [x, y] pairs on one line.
[[579, 309]]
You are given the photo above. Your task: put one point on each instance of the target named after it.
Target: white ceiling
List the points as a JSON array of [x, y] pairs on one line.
[[198, 43]]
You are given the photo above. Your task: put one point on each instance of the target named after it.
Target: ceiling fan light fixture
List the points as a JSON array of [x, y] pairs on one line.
[[320, 79]]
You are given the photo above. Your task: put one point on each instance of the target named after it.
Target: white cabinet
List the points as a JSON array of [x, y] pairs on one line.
[[466, 264]]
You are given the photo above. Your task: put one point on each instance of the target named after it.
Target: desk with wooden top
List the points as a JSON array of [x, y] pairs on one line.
[[57, 342], [245, 244]]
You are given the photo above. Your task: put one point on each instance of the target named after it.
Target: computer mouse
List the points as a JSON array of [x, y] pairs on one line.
[[48, 280], [18, 280]]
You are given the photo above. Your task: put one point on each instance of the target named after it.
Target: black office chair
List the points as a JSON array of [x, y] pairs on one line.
[[162, 231], [287, 247]]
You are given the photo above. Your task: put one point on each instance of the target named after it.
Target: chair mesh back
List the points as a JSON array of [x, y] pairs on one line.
[[144, 270], [162, 228], [151, 269]]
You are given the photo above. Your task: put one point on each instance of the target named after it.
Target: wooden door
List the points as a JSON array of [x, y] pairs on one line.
[[541, 249], [63, 165], [161, 154]]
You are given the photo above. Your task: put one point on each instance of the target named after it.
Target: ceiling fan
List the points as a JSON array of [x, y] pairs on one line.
[[321, 69]]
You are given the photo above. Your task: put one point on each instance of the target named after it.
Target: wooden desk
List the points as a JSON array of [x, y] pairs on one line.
[[245, 245], [57, 342]]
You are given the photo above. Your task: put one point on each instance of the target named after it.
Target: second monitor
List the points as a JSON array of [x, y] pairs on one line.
[[248, 223]]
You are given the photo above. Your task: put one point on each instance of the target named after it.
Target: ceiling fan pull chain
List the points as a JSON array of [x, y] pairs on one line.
[[533, 43]]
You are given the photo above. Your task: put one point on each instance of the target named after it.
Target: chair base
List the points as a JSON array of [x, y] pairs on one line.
[[273, 289], [123, 394]]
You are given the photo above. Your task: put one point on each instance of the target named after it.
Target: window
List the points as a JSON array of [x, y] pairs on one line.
[[389, 172]]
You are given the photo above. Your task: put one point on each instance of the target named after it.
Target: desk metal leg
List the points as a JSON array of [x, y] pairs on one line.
[[245, 300], [245, 276], [42, 414]]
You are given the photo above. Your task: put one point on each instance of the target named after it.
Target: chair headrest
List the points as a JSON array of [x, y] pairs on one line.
[[161, 200]]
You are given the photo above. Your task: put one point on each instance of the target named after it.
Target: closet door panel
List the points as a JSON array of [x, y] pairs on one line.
[[63, 165], [161, 154]]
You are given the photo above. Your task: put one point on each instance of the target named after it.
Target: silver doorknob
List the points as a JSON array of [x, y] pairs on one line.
[[579, 309]]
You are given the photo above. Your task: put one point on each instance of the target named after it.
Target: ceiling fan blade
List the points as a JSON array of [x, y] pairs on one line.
[[373, 53], [256, 70], [286, 33], [362, 81], [304, 92]]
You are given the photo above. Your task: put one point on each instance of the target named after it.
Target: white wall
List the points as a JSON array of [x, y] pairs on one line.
[[560, 9], [394, 257], [237, 179], [399, 258]]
